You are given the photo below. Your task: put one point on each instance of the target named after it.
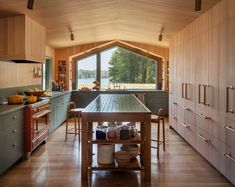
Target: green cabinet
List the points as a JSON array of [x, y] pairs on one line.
[[58, 110], [11, 138]]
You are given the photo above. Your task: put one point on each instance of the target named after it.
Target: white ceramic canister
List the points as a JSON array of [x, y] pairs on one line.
[[106, 153]]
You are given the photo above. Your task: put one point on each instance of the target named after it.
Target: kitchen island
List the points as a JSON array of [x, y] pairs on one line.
[[116, 108]]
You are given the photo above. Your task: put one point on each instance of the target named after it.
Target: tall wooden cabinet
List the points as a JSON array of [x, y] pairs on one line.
[[22, 39], [202, 103]]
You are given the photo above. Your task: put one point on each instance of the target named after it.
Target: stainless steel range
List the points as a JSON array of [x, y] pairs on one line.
[[37, 120]]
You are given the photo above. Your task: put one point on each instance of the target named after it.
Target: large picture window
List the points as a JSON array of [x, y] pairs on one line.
[[127, 70], [119, 68], [86, 72]]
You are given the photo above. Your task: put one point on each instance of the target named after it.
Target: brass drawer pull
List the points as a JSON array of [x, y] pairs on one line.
[[227, 99], [203, 116], [199, 94], [188, 109], [206, 86], [184, 125], [204, 139], [229, 155], [229, 128], [175, 118], [182, 91]]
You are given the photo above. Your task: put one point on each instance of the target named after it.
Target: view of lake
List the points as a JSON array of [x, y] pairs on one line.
[[104, 81]]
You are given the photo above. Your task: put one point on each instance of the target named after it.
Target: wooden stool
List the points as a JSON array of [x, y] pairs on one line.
[[160, 117], [75, 113], [141, 97]]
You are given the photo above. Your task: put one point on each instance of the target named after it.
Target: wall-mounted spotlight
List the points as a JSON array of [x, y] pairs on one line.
[[71, 35], [160, 36], [198, 5], [30, 4]]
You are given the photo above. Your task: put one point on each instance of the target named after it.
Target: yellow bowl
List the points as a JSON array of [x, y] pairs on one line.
[[32, 99]]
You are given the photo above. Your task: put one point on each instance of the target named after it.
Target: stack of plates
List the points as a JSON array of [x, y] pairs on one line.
[[132, 149], [122, 158]]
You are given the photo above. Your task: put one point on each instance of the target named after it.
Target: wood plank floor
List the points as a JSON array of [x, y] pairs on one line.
[[57, 164]]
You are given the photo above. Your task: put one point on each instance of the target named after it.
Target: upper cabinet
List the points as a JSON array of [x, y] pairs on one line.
[[22, 39]]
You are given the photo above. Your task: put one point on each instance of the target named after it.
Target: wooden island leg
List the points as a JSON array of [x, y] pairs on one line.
[[84, 161], [147, 148]]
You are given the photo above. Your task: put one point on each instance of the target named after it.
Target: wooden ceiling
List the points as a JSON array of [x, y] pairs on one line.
[[100, 20]]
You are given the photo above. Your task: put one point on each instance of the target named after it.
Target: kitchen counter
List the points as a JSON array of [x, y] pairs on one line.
[[5, 109]]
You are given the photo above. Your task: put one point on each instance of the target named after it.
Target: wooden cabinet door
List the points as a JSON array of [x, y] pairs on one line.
[[227, 68], [35, 41], [202, 67], [212, 90], [190, 71]]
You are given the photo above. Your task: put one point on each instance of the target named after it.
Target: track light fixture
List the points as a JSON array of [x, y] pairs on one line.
[[71, 35], [160, 36], [198, 5], [30, 4]]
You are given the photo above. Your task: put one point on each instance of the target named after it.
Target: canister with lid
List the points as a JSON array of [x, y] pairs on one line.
[[106, 153]]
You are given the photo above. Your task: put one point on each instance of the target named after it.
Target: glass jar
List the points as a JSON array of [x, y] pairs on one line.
[[124, 132], [100, 132], [132, 129], [112, 131]]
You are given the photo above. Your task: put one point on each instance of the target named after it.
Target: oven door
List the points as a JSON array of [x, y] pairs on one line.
[[41, 121]]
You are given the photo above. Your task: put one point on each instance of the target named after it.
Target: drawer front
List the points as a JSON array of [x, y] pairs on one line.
[[202, 142], [13, 120], [227, 161], [189, 115], [189, 133], [180, 128], [228, 133], [12, 150], [173, 122], [40, 139], [214, 151], [203, 121]]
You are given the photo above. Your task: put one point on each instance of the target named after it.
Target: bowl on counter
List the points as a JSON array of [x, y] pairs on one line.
[[15, 99], [34, 93]]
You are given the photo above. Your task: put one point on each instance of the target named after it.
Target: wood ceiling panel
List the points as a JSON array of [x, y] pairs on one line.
[[98, 20]]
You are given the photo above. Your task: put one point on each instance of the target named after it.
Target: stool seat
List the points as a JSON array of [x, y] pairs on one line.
[[75, 113], [77, 110]]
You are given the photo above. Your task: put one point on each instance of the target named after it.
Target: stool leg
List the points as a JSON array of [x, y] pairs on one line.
[[66, 130], [79, 123], [158, 138], [75, 124], [163, 131]]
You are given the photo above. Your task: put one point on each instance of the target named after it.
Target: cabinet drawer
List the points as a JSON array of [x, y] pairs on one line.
[[173, 121], [227, 162], [40, 139], [189, 133], [202, 142], [202, 121], [228, 133], [12, 151], [12, 120]]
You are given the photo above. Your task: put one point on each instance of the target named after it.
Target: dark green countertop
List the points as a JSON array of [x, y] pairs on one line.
[[5, 109]]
